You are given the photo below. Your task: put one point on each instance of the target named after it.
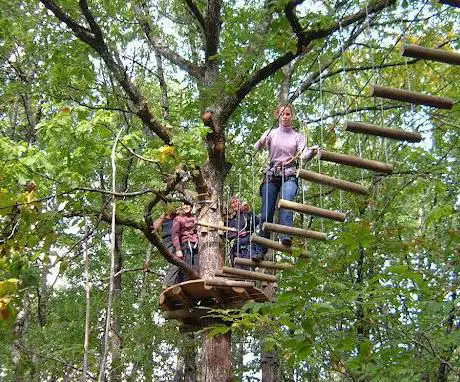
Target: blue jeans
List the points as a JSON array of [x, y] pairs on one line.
[[269, 190]]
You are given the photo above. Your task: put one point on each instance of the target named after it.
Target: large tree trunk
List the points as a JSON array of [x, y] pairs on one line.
[[269, 360], [216, 351]]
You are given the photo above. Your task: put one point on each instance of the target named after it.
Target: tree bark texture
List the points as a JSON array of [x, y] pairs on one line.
[[19, 329], [269, 360]]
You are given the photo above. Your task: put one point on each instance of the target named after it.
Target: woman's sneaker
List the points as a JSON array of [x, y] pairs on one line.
[[258, 257], [287, 241]]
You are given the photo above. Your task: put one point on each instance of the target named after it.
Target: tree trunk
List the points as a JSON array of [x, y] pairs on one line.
[[216, 351], [115, 339], [269, 360], [19, 328]]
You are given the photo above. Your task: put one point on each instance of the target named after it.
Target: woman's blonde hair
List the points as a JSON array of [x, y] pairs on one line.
[[281, 107]]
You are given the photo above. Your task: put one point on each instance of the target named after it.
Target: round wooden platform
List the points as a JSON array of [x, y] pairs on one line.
[[190, 301]]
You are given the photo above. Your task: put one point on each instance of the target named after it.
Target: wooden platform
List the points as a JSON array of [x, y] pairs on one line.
[[190, 301]]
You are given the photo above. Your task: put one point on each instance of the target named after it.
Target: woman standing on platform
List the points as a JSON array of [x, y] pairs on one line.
[[284, 145]]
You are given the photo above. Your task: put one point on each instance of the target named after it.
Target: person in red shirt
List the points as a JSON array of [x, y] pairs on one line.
[[184, 236]]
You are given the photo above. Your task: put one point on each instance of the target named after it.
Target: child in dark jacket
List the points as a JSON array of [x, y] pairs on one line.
[[243, 220], [164, 223]]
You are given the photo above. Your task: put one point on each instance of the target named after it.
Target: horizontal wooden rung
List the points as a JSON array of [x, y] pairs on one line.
[[217, 227], [411, 97], [440, 55], [227, 276], [452, 3], [228, 283], [332, 182], [354, 161], [311, 210], [279, 228], [249, 274], [367, 128], [267, 243], [263, 264]]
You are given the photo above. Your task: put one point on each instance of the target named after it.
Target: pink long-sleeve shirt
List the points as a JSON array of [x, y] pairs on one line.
[[183, 229], [283, 144]]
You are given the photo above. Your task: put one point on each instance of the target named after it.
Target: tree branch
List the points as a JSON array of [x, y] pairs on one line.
[[261, 74], [213, 26], [293, 19], [196, 13], [160, 47], [80, 31], [113, 62]]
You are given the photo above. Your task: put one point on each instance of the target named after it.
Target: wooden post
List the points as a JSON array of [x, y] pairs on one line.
[[411, 97], [272, 227], [311, 210], [263, 264], [178, 292], [333, 182], [228, 283], [440, 55], [350, 160], [182, 314], [367, 128], [452, 3], [249, 274], [217, 227], [274, 245], [225, 275]]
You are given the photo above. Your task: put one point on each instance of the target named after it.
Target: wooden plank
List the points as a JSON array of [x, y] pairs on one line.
[[411, 97], [217, 227], [311, 210], [249, 274], [367, 128], [332, 182], [439, 55], [228, 283], [279, 228], [178, 293], [224, 275], [263, 264], [183, 314], [267, 243], [354, 161]]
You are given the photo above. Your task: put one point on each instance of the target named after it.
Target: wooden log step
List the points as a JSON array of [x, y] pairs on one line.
[[332, 182], [452, 3], [411, 97], [311, 210], [367, 128], [263, 264], [217, 227], [227, 276], [267, 243], [440, 55], [278, 228], [249, 274], [354, 161], [179, 293], [228, 283]]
